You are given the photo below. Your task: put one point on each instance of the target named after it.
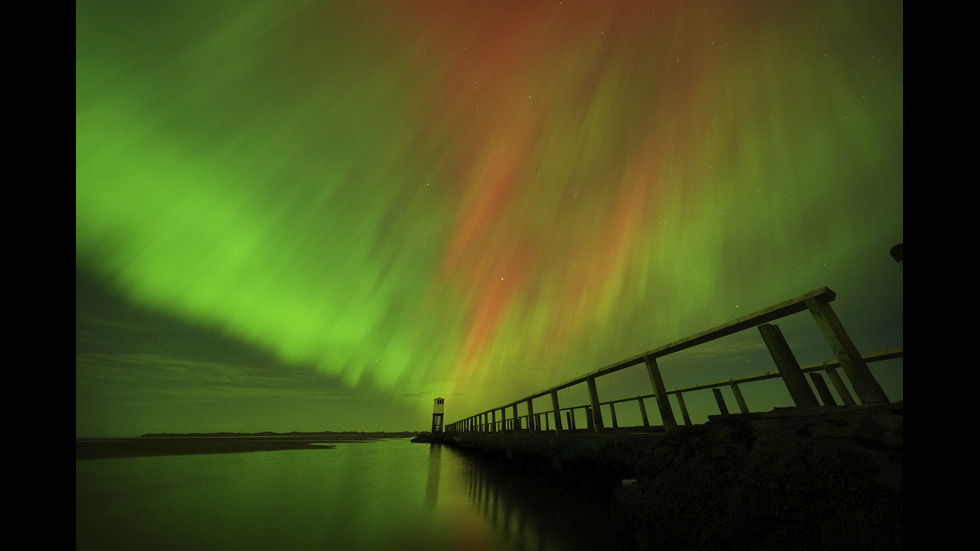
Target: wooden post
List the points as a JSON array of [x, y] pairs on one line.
[[787, 365], [531, 424], [822, 390], [612, 413], [663, 403], [845, 395], [503, 418], [643, 412], [865, 385], [721, 401], [557, 410], [517, 420], [570, 418], [684, 414], [594, 399], [738, 398], [589, 419]]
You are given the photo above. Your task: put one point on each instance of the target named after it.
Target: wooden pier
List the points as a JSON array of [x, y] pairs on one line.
[[817, 471], [505, 421]]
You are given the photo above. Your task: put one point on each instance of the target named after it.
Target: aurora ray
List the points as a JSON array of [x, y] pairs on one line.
[[480, 199]]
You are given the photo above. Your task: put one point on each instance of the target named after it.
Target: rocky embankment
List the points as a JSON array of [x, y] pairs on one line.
[[821, 478]]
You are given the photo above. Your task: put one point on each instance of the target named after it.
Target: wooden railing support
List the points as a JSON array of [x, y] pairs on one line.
[[738, 398], [684, 414], [788, 367], [720, 400], [643, 413], [663, 403], [822, 390], [845, 395], [531, 424], [556, 410], [865, 386], [594, 399]]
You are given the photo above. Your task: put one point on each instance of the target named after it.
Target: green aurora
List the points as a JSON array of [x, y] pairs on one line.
[[320, 215]]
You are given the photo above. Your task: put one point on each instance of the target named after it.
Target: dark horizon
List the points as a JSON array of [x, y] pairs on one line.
[[245, 433]]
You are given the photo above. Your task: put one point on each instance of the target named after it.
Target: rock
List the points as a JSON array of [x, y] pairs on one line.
[[831, 478]]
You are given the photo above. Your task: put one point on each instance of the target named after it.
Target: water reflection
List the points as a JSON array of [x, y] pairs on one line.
[[388, 495], [533, 511], [432, 482]]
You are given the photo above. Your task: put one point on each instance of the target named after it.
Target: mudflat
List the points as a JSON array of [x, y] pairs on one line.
[[148, 446]]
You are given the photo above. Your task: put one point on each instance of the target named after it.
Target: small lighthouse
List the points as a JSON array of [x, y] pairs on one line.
[[437, 412]]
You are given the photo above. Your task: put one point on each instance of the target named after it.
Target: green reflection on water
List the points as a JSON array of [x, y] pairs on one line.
[[389, 494]]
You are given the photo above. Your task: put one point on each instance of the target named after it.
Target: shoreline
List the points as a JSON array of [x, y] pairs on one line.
[[202, 444]]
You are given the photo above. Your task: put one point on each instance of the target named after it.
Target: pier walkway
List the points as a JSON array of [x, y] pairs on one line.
[[559, 436]]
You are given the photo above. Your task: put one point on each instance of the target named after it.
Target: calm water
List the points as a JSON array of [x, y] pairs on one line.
[[388, 494]]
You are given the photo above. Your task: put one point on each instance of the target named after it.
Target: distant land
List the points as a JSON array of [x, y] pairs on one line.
[[160, 444], [376, 434]]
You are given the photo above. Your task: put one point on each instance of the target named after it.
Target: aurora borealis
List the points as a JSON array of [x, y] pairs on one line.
[[319, 215]]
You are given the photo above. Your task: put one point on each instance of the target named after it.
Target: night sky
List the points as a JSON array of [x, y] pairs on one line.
[[320, 215]]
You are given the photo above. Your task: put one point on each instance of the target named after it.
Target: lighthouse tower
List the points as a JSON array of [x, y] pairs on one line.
[[437, 411]]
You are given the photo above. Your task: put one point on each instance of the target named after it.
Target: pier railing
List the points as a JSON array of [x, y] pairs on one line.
[[852, 363]]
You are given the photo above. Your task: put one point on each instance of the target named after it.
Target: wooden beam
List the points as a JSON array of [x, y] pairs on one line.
[[531, 421], [788, 367], [822, 389], [766, 315], [663, 403], [863, 382], [739, 399], [845, 395], [556, 409], [594, 399], [720, 400], [684, 414], [643, 413]]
